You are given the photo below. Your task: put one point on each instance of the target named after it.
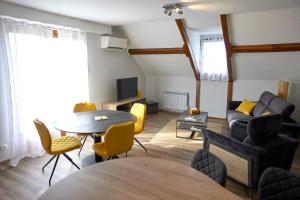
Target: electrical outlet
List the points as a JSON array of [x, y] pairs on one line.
[[3, 147]]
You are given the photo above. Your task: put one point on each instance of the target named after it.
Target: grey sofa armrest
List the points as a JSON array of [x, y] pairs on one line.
[[239, 130], [232, 105], [291, 129]]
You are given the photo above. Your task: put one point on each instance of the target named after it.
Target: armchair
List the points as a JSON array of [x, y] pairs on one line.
[[246, 158]]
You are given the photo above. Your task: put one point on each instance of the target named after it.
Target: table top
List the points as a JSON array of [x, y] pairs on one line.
[[198, 118], [84, 122], [138, 178]]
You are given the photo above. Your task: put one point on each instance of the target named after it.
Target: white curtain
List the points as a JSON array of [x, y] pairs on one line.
[[213, 64], [43, 74]]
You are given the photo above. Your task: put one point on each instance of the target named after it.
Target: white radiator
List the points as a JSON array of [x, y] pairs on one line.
[[175, 101]]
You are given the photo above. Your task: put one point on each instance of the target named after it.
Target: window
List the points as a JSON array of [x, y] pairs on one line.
[[47, 67], [213, 58]]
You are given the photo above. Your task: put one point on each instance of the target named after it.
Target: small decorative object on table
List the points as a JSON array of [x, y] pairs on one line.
[[194, 111], [99, 118]]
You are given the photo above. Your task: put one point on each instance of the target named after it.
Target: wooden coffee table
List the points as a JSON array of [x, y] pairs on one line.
[[191, 122], [138, 178]]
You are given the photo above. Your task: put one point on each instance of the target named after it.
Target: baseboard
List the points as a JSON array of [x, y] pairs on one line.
[[4, 164], [211, 117]]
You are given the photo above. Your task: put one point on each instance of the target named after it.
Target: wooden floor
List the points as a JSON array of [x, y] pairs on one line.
[[26, 181]]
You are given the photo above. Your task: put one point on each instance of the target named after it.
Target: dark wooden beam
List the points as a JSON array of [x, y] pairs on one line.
[[178, 50], [198, 89], [227, 43], [266, 48], [189, 53], [228, 48], [188, 47]]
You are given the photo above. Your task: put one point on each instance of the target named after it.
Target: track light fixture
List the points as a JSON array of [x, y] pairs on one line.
[[174, 7]]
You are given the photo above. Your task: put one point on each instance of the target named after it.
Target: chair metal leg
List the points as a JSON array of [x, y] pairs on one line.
[[85, 137], [71, 160], [48, 162], [140, 144], [126, 154], [53, 169], [82, 138]]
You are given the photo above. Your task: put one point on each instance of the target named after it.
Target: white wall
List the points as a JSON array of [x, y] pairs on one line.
[[105, 66], [151, 87], [178, 84], [252, 89], [213, 98]]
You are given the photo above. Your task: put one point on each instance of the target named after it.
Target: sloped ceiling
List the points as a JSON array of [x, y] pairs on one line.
[[158, 34], [120, 12], [177, 65], [269, 27], [165, 34]]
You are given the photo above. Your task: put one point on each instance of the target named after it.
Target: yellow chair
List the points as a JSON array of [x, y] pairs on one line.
[[139, 111], [118, 139], [83, 107], [56, 147]]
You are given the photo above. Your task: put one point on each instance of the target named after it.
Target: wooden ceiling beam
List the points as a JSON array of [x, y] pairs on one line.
[[228, 48], [178, 50], [266, 48], [188, 47], [189, 53]]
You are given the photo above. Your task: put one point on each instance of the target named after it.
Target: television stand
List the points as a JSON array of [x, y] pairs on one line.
[[124, 105]]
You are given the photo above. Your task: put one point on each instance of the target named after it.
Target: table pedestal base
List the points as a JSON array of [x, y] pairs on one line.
[[92, 159]]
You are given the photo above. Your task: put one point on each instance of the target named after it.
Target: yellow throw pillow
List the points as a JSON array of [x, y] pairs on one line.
[[266, 113], [246, 107]]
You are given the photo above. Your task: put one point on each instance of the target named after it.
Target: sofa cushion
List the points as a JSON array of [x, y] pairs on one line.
[[259, 109], [246, 107], [263, 103], [261, 128], [233, 116], [266, 98], [282, 107]]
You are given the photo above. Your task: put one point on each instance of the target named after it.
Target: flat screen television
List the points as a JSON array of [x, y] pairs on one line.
[[127, 87]]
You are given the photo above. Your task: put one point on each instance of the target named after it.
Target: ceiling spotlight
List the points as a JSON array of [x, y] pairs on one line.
[[174, 7]]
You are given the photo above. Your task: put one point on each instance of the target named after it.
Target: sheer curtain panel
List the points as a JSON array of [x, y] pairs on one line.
[[43, 74], [213, 64]]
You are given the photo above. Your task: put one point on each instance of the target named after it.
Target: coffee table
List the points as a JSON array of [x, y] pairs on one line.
[[191, 122]]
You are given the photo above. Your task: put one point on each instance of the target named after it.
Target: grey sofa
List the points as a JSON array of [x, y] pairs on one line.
[[267, 102]]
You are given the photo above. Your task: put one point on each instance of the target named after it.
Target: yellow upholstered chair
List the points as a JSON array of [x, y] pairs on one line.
[[56, 147], [118, 139], [83, 107], [139, 111]]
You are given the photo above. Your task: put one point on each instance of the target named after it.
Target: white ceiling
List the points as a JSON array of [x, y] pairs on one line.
[[120, 12]]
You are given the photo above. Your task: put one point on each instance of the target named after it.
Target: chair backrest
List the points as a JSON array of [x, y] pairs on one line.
[[139, 111], [210, 165], [262, 128], [45, 136], [276, 183], [118, 138], [84, 106]]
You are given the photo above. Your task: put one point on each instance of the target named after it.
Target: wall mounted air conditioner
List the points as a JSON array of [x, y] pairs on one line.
[[113, 43]]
